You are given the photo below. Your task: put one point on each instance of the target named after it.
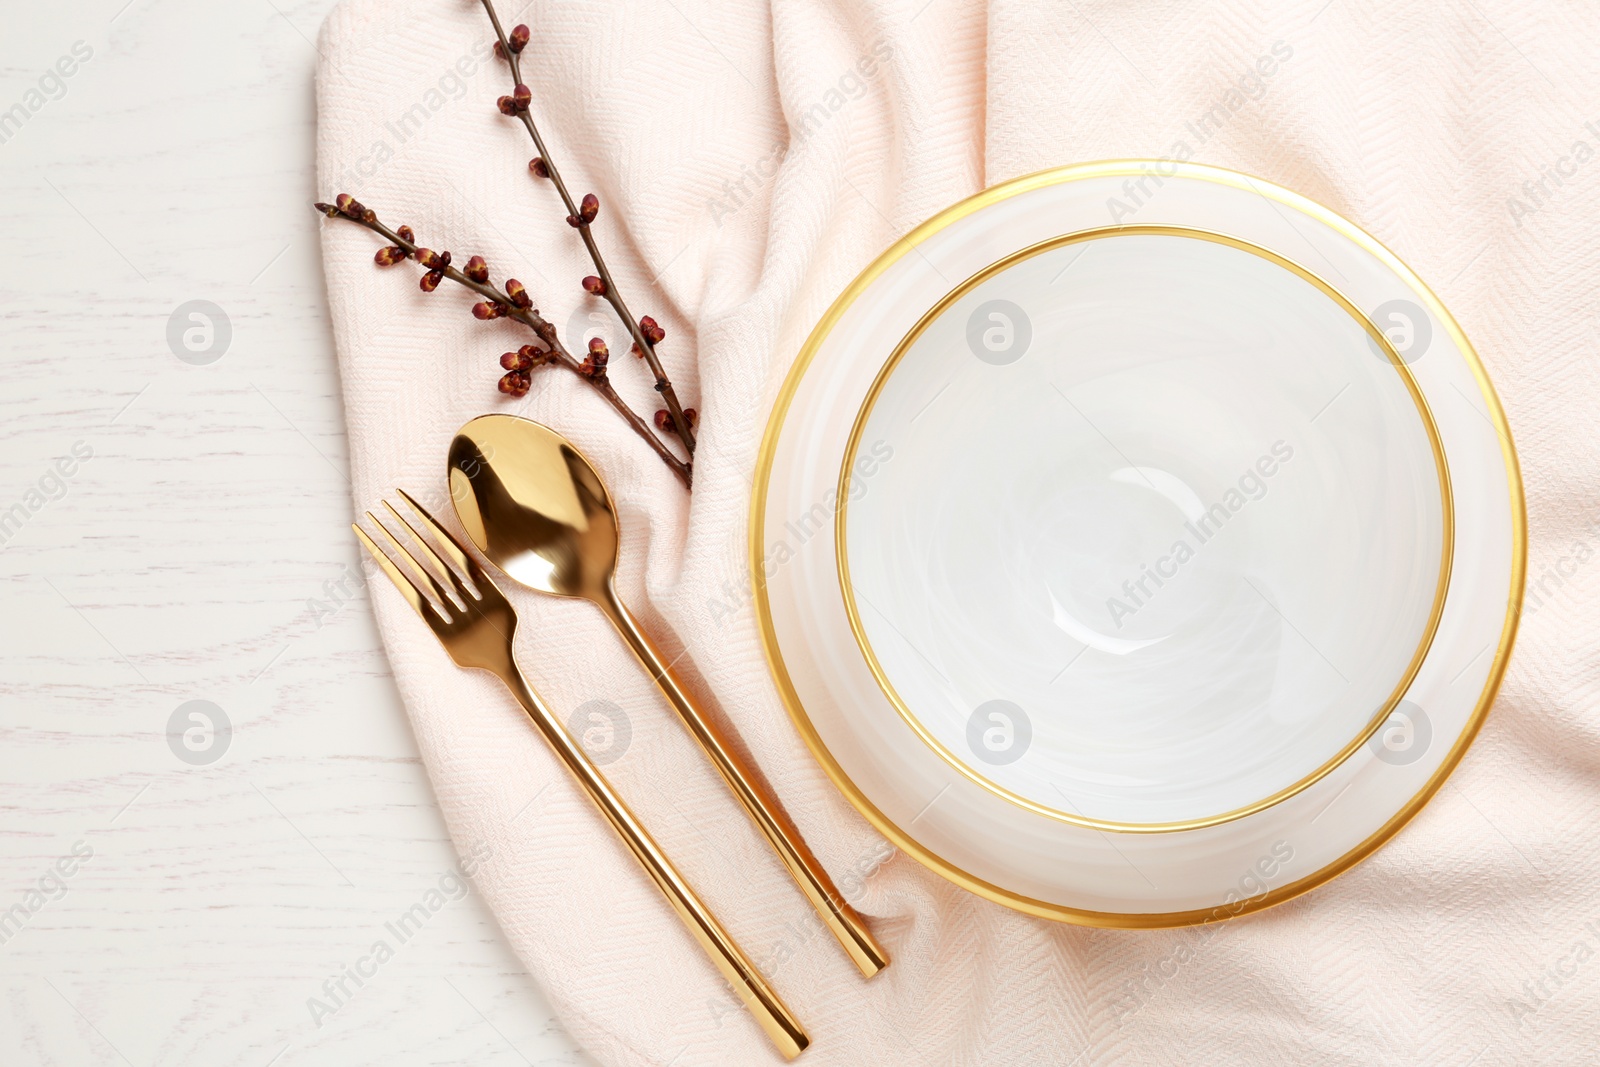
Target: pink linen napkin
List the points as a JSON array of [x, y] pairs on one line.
[[750, 158]]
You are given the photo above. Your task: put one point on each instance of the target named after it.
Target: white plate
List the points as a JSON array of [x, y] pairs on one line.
[[1162, 370]]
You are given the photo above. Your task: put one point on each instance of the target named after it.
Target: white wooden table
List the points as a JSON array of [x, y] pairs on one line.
[[154, 153]]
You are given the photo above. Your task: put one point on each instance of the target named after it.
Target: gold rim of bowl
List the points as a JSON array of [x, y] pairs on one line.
[[903, 839]]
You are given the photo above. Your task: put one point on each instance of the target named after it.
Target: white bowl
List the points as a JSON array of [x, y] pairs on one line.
[[1160, 534], [992, 827]]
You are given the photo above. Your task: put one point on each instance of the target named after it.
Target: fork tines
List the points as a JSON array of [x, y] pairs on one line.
[[421, 588]]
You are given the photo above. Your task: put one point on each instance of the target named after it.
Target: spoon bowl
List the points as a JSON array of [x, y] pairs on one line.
[[534, 506]]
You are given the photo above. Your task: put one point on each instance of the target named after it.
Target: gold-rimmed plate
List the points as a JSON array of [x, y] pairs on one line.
[[1350, 344]]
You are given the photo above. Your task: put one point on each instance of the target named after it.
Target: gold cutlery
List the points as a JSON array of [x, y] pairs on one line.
[[536, 509], [475, 625]]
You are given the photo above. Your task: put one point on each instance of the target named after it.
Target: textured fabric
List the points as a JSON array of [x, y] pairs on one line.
[[750, 159]]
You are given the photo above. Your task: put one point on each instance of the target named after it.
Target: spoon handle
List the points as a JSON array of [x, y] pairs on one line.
[[770, 1012], [764, 810]]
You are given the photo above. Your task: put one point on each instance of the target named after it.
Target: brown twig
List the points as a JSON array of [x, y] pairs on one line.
[[504, 306], [581, 217]]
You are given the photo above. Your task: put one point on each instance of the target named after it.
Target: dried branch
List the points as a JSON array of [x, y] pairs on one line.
[[646, 333], [513, 303]]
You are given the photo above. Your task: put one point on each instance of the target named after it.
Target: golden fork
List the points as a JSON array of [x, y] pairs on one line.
[[476, 629]]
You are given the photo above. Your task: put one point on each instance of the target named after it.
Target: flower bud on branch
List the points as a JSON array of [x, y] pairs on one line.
[[594, 366], [436, 262], [519, 364], [524, 359], [579, 216], [516, 42], [665, 424], [517, 304], [587, 211]]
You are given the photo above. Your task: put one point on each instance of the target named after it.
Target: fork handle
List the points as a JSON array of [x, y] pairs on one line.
[[769, 1011], [847, 927]]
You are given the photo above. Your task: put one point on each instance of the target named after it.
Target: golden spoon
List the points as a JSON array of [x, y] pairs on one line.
[[535, 507]]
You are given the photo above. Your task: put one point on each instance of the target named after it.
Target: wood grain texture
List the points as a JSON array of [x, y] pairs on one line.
[[180, 562]]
